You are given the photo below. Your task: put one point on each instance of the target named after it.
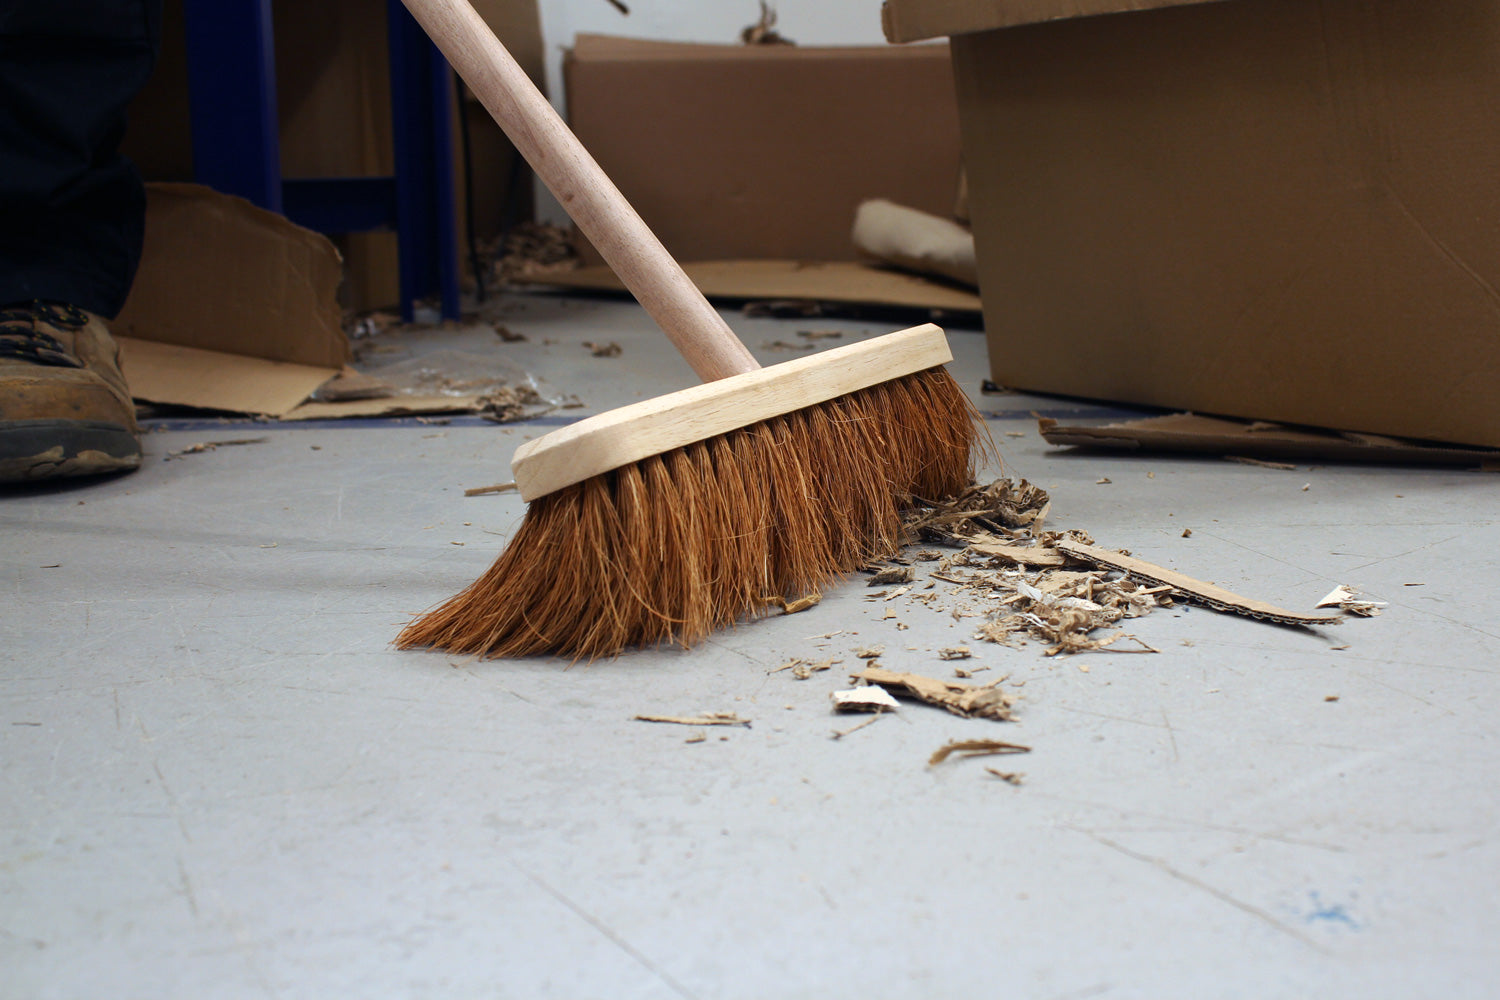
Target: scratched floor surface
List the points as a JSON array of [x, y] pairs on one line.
[[217, 778]]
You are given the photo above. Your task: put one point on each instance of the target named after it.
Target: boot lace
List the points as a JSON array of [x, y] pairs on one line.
[[22, 335]]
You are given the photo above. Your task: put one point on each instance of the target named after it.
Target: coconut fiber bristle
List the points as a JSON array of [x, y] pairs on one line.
[[677, 545]]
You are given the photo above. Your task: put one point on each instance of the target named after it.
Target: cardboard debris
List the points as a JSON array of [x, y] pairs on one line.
[[707, 719], [1030, 555], [1347, 600], [891, 574], [807, 283], [973, 748], [803, 669], [1196, 590], [982, 702], [864, 699], [792, 607], [763, 32], [998, 508], [533, 251], [1257, 442]]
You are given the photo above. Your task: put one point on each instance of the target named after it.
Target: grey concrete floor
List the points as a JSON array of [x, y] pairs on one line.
[[218, 779]]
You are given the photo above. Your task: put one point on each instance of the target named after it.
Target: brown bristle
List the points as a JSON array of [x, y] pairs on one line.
[[678, 545]]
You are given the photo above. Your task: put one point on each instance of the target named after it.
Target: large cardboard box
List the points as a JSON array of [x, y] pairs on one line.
[[1276, 209], [764, 151]]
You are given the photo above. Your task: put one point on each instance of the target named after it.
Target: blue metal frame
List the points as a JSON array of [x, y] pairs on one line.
[[231, 65], [236, 149]]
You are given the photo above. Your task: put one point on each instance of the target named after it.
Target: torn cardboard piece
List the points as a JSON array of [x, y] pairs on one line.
[[864, 699], [1195, 590], [968, 700], [1257, 440], [233, 307], [843, 282], [219, 274], [1348, 600]]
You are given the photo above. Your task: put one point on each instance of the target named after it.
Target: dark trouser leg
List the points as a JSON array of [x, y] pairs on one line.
[[71, 207]]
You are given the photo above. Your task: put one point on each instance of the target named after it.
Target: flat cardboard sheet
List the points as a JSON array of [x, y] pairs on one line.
[[1189, 432], [822, 281], [216, 380]]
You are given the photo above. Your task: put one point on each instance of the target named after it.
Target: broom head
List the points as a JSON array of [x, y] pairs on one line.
[[665, 520]]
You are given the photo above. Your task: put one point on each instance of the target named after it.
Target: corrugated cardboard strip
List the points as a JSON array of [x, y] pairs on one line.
[[819, 281], [1189, 432]]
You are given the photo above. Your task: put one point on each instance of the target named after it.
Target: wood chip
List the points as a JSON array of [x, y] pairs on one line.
[[609, 350], [955, 653], [706, 719], [202, 446], [479, 491], [839, 734], [869, 652], [973, 748], [1009, 777], [1262, 463]]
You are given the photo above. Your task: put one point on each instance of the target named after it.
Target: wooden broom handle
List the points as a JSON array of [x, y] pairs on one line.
[[590, 198]]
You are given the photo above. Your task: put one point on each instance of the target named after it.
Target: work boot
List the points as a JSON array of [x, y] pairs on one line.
[[64, 407]]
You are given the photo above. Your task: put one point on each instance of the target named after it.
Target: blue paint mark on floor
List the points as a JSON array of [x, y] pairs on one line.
[[1332, 913]]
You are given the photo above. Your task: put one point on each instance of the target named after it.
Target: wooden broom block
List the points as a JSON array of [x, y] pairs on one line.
[[619, 437]]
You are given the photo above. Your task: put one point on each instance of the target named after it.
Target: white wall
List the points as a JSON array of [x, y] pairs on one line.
[[806, 22]]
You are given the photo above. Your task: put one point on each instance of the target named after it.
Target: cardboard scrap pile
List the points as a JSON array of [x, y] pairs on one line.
[[1023, 583], [1057, 587], [236, 309]]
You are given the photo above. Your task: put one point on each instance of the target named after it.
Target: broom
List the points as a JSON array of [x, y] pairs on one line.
[[665, 520]]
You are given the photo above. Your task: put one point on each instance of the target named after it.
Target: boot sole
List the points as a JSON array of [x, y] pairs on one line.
[[45, 449]]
